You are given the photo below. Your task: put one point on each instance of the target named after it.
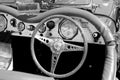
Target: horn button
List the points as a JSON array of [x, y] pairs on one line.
[[57, 46]]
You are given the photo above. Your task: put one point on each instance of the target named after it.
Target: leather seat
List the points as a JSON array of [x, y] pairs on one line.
[[14, 75]]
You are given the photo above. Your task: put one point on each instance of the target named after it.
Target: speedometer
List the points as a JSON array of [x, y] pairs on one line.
[[3, 23], [67, 29]]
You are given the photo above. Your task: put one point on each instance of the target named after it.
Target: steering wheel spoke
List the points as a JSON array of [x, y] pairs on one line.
[[54, 61], [71, 47], [45, 40]]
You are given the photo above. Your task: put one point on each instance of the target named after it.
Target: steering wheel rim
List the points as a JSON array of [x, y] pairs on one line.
[[84, 53]]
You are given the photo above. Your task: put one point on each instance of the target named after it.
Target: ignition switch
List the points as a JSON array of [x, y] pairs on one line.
[[96, 36]]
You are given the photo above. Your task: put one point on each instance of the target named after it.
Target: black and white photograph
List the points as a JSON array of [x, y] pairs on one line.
[[59, 39]]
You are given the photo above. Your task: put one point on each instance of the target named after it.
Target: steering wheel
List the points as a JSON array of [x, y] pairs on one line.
[[58, 46], [110, 61]]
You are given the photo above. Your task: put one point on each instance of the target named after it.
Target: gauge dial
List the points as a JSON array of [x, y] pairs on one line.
[[68, 29], [3, 23], [42, 28], [21, 26]]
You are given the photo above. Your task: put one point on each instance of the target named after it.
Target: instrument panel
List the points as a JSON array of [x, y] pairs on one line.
[[15, 26], [56, 27]]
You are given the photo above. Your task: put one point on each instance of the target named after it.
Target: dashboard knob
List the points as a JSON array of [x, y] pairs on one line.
[[96, 36], [13, 22], [50, 24], [31, 27]]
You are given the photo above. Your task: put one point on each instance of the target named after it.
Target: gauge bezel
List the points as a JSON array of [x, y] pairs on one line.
[[42, 26], [59, 30], [18, 26], [6, 23]]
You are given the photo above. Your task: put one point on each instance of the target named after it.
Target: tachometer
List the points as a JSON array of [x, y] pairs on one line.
[[3, 22], [67, 29]]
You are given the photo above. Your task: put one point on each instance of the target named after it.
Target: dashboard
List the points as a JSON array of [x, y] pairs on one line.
[[55, 27]]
